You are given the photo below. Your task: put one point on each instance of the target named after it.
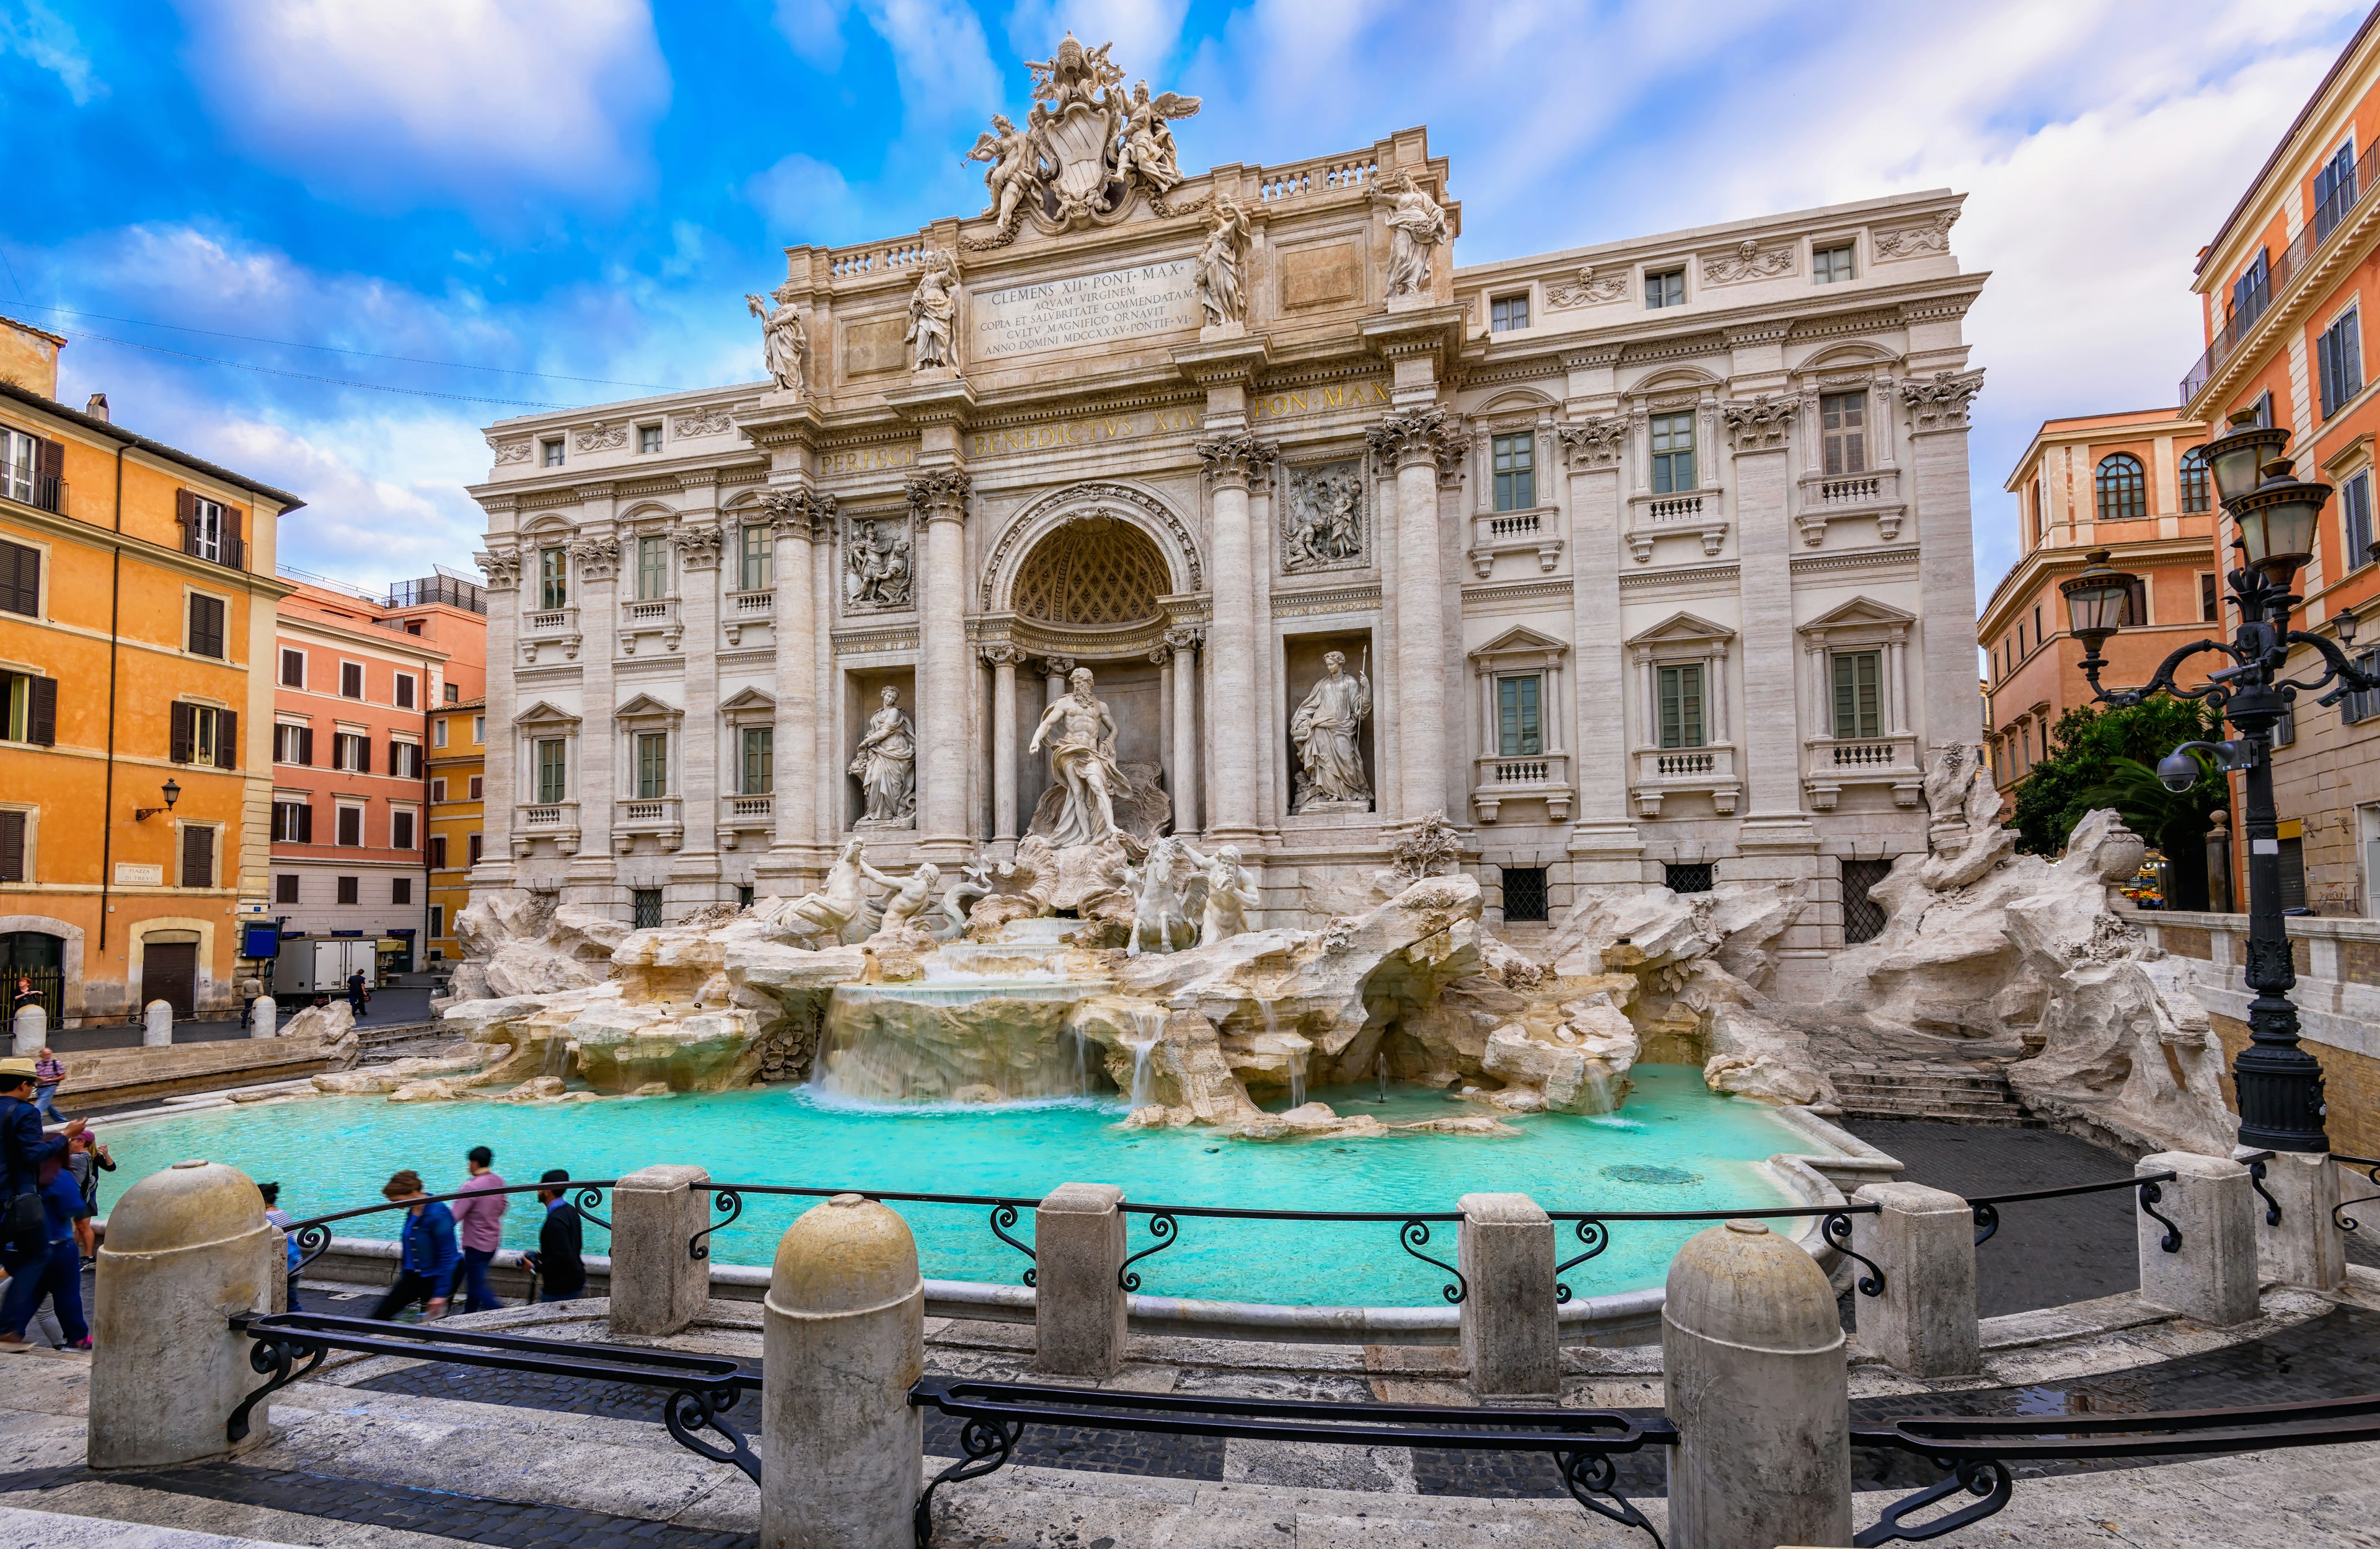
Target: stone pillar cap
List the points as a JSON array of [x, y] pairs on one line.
[[1082, 1199], [2189, 1164], [189, 1204], [850, 1254], [1751, 1288]]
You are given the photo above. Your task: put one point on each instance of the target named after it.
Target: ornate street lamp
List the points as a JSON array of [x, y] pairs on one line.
[[2279, 1083]]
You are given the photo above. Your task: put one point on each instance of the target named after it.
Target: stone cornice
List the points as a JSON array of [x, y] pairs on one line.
[[933, 401], [1224, 361]]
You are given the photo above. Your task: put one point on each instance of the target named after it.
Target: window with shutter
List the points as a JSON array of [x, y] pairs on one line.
[[15, 707], [50, 476], [350, 890], [476, 789], [351, 827], [12, 847], [1520, 729], [186, 512], [226, 739], [437, 851], [206, 626], [285, 890], [1680, 694], [400, 889], [198, 856], [19, 459], [351, 679], [1858, 694], [184, 733], [1842, 422], [293, 669], [400, 830], [43, 717], [20, 579], [404, 691]]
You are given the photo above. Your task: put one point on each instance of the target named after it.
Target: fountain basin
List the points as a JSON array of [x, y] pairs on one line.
[[330, 1154]]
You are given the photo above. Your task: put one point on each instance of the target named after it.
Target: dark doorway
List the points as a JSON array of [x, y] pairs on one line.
[[40, 959], [1524, 893], [169, 971], [1862, 916]]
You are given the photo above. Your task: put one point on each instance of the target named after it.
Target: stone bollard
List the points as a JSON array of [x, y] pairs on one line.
[[157, 1026], [2305, 1247], [186, 1248], [31, 1027], [2212, 1278], [843, 1456], [263, 1017], [1512, 1341], [1754, 1378], [1079, 1304], [1924, 1240], [658, 1286]]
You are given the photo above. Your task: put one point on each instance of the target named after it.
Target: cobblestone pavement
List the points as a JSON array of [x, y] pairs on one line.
[[467, 1519]]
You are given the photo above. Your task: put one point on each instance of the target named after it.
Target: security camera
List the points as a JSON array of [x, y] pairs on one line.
[[2178, 770]]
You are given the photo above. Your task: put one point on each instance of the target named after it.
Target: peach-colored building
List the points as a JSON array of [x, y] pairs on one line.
[[2127, 482]]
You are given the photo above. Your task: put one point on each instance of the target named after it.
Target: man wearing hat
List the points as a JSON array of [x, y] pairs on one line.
[[24, 1225]]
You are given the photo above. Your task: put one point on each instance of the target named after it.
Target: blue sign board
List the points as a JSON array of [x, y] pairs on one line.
[[260, 941]]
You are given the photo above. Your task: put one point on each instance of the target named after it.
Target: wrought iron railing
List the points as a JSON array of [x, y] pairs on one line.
[[314, 1234], [728, 1200], [1986, 1209], [2370, 1166], [1592, 1227]]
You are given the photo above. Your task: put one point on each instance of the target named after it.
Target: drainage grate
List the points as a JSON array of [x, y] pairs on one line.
[[1862, 916]]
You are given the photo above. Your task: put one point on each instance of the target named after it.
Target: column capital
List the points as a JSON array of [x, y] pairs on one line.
[[1941, 403], [1185, 637], [1592, 442], [1161, 653], [999, 653], [1056, 666], [800, 512], [502, 567], [1760, 423], [939, 495], [1410, 438], [698, 547], [598, 557], [1237, 459]]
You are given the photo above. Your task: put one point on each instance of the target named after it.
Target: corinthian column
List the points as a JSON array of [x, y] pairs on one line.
[[1414, 441], [798, 518], [1002, 658], [1232, 460], [1185, 641], [939, 497]]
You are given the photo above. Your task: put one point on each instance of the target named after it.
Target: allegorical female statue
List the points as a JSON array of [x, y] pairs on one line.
[[785, 345], [1220, 290], [887, 767], [1082, 758], [1326, 729], [1416, 225], [933, 312]]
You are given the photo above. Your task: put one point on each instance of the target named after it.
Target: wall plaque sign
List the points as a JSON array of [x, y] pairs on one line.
[[1086, 309]]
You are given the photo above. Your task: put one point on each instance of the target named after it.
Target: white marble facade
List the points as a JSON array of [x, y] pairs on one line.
[[1633, 587]]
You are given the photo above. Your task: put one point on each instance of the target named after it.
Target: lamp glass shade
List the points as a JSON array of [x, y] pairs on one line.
[[172, 793], [2237, 461], [2277, 525], [2096, 599]]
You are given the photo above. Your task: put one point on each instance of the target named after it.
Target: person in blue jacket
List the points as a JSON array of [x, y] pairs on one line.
[[59, 1278], [24, 1218], [425, 1270]]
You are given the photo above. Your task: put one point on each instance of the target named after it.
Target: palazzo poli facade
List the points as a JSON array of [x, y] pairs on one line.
[[1647, 562]]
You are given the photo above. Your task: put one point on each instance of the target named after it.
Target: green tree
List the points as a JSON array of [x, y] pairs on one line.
[[2108, 758]]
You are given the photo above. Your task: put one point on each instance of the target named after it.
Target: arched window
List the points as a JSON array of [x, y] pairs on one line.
[[2194, 493], [2123, 490]]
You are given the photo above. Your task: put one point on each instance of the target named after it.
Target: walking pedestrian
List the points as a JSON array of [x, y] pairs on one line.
[[24, 1220], [280, 1217], [426, 1255], [48, 1071], [479, 1225], [557, 1262], [358, 998], [58, 1278]]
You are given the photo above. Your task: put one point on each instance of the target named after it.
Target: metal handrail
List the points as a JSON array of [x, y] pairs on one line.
[[2371, 1165], [1985, 1210], [312, 1235], [1833, 1225]]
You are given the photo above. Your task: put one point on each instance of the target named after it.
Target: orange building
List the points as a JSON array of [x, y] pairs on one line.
[[137, 613], [458, 767], [2284, 285], [362, 683], [2127, 482]]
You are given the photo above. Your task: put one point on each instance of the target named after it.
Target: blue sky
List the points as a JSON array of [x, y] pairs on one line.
[[563, 201]]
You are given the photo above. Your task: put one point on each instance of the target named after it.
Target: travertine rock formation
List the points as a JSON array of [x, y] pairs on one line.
[[516, 942]]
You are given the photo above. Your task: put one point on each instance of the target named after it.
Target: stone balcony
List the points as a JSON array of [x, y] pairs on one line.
[[1662, 772], [740, 611], [1826, 499], [1535, 531], [1695, 514], [739, 816], [649, 616], [1534, 777], [658, 818], [555, 820], [1830, 764], [548, 629]]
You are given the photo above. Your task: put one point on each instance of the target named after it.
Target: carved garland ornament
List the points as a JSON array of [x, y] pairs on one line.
[[1917, 241], [603, 438], [510, 452], [1588, 289], [1749, 262], [710, 420]]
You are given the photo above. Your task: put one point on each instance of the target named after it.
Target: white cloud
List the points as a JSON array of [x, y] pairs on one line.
[[473, 97], [940, 57], [815, 29], [1146, 33], [42, 36], [807, 200]]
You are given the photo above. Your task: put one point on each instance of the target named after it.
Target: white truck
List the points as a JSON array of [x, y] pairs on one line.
[[320, 965]]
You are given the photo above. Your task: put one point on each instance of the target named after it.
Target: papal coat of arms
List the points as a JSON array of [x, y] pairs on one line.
[[1087, 148]]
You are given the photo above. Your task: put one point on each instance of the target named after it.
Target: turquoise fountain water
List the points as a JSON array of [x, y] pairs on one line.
[[1675, 1147]]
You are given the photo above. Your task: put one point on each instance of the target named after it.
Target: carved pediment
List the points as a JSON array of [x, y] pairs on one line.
[[644, 706], [545, 713], [1863, 617], [752, 701], [1682, 629], [1520, 647]]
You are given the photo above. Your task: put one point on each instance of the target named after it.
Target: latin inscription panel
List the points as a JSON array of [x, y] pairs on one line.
[[1087, 310]]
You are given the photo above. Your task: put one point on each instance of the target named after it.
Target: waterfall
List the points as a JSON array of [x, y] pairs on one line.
[[1150, 1021], [1082, 1069], [1380, 1069], [1297, 1077]]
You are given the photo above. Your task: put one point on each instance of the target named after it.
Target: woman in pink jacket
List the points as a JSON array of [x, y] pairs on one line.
[[479, 1224]]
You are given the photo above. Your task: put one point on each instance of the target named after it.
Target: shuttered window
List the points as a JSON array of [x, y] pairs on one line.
[[1681, 693], [652, 765], [351, 827], [292, 823], [400, 830], [29, 709], [1520, 723], [198, 856], [12, 848], [20, 579], [1859, 696], [553, 780], [202, 734], [759, 760], [206, 626]]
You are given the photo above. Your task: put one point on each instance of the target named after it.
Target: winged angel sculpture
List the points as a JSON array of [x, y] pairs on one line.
[[1087, 148]]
